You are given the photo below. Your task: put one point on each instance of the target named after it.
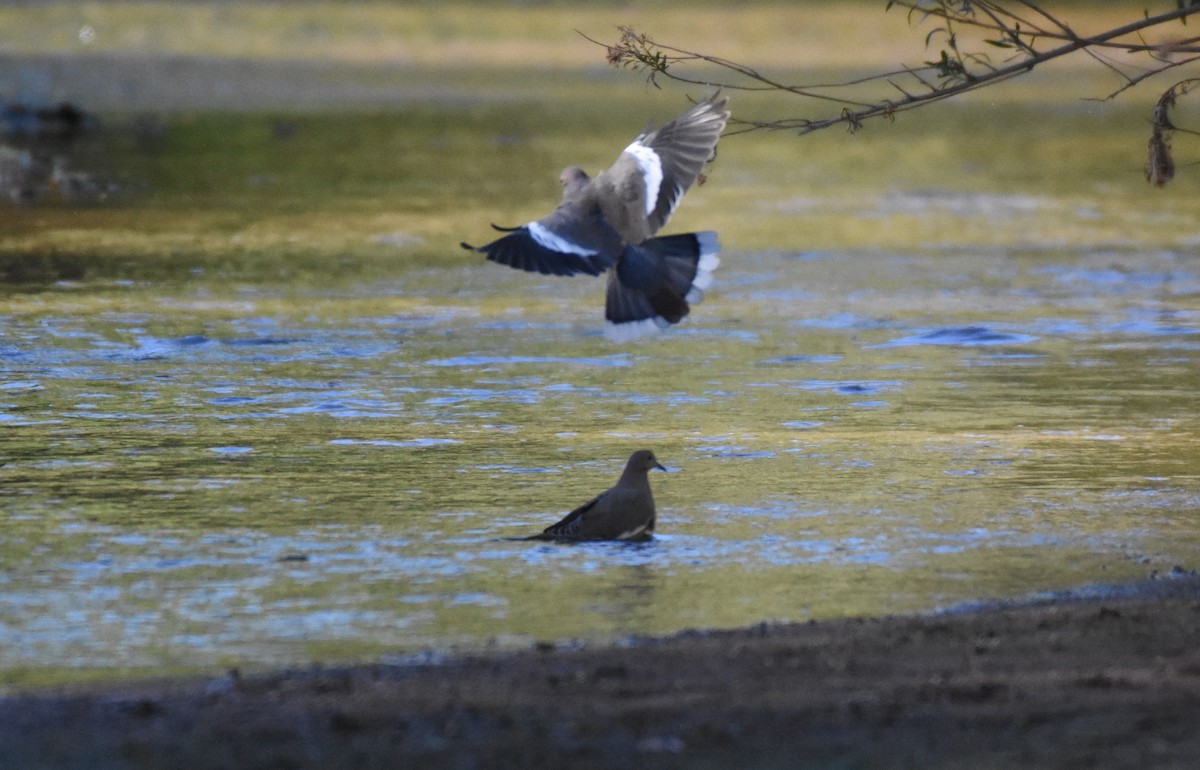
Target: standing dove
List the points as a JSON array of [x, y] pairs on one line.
[[624, 512], [610, 221]]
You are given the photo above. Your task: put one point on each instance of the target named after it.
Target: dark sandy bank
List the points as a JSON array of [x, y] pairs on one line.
[[1099, 678]]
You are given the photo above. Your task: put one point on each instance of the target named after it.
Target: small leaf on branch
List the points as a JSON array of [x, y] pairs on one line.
[[852, 120], [1160, 166]]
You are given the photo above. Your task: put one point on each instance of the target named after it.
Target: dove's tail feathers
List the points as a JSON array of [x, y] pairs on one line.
[[656, 282]]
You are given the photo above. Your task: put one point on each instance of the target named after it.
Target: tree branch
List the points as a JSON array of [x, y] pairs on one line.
[[955, 72]]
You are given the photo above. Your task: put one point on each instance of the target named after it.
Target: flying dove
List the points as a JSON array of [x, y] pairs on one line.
[[624, 512], [610, 221]]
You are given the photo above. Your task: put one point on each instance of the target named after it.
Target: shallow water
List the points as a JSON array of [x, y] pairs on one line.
[[204, 476]]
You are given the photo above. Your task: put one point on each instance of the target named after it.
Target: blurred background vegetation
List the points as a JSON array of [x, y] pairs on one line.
[[263, 140]]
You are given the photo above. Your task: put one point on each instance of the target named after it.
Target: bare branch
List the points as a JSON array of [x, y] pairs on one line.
[[1032, 34], [1065, 33]]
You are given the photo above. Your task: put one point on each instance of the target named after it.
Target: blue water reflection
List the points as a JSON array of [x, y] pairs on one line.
[[183, 487]]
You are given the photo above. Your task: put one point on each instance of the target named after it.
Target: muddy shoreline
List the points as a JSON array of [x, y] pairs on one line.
[[1103, 677]]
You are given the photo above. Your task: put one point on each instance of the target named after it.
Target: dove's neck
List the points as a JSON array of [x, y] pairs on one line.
[[634, 477]]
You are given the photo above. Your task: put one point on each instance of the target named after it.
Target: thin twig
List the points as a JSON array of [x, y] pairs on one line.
[[955, 76], [1186, 45]]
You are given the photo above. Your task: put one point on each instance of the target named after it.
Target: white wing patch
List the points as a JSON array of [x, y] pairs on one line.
[[652, 174], [556, 242], [634, 533]]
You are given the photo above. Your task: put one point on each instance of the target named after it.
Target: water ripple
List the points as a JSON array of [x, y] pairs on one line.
[[969, 336], [479, 360]]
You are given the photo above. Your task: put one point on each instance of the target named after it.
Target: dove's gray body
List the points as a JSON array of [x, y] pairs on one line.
[[624, 512]]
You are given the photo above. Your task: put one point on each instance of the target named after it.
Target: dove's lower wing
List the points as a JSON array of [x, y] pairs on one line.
[[573, 239], [573, 523]]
